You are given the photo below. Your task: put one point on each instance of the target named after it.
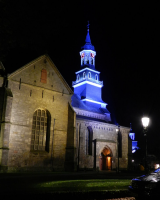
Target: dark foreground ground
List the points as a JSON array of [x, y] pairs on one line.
[[21, 185]]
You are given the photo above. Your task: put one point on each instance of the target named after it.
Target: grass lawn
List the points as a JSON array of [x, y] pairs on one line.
[[79, 188], [83, 185]]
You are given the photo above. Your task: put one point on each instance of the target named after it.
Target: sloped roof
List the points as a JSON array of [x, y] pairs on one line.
[[88, 45], [91, 118], [78, 103]]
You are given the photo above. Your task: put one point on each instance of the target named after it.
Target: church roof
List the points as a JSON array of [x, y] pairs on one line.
[[76, 102], [91, 118], [88, 45]]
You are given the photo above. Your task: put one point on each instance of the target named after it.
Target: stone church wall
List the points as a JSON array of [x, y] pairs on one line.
[[29, 95], [23, 108], [105, 135], [5, 124]]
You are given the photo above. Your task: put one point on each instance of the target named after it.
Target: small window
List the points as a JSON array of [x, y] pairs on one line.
[[20, 84], [78, 77], [89, 75], [84, 75], [44, 76], [96, 77]]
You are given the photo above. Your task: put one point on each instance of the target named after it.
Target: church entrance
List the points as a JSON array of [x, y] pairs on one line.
[[105, 159]]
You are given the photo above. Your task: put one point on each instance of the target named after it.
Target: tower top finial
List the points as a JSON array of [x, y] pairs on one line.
[[88, 25]]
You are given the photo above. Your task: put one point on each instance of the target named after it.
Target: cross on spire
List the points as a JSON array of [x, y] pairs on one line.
[[88, 25]]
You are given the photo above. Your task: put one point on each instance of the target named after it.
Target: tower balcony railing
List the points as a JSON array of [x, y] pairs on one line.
[[87, 79]]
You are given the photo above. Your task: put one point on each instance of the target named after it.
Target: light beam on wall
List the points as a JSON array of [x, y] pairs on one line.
[[102, 104], [87, 69], [88, 82]]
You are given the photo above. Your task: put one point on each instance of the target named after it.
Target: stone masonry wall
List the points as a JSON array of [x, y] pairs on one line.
[[29, 94], [6, 98], [106, 136]]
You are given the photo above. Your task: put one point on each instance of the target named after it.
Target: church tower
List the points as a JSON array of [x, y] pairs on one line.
[[96, 136], [88, 86]]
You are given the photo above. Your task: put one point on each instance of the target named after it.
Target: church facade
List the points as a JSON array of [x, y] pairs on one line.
[[44, 125]]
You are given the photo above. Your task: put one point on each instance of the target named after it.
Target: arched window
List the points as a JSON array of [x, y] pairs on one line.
[[89, 75], [84, 75], [40, 130], [91, 61], [78, 77], [44, 76], [82, 61], [89, 138], [96, 77]]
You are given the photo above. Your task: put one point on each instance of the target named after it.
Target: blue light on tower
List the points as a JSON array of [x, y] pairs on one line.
[[134, 143], [87, 87]]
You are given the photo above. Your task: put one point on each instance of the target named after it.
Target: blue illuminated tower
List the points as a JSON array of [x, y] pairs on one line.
[[87, 87], [134, 143]]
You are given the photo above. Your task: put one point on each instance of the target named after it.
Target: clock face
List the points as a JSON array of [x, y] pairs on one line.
[[82, 55], [92, 55]]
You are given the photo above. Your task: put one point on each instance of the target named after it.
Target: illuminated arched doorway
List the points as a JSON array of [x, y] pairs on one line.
[[105, 159]]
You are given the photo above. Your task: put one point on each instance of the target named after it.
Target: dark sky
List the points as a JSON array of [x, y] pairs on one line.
[[126, 40]]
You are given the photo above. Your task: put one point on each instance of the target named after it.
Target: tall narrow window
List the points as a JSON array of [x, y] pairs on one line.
[[82, 59], [20, 84], [44, 76], [78, 77], [89, 75], [91, 61], [86, 59], [84, 75], [40, 130], [89, 138], [120, 144], [96, 77]]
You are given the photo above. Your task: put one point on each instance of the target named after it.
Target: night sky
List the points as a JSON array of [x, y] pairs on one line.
[[126, 40]]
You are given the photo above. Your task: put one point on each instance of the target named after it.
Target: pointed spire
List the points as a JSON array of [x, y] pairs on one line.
[[88, 45]]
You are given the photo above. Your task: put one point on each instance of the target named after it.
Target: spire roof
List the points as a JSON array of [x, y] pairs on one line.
[[88, 45]]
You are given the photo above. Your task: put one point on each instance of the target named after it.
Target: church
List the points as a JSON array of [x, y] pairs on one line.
[[44, 125]]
